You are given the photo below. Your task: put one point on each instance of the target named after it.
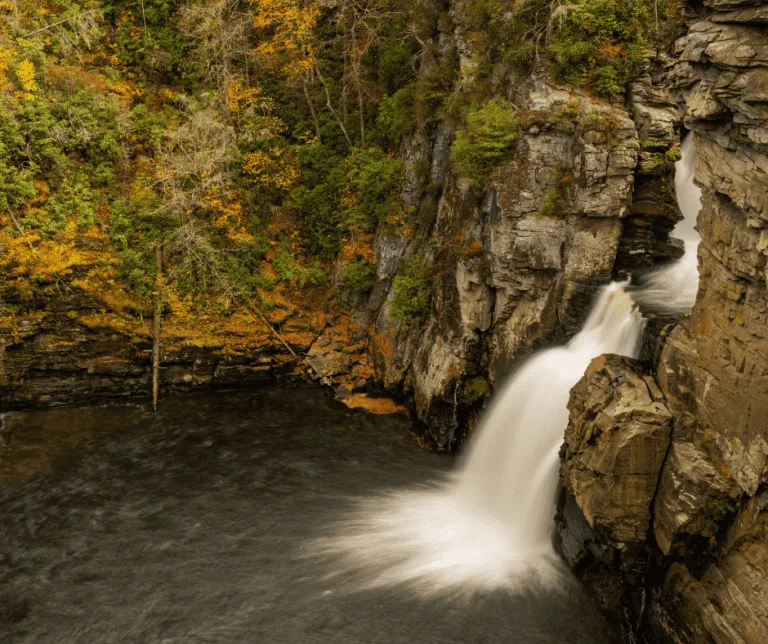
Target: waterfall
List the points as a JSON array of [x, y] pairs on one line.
[[489, 524]]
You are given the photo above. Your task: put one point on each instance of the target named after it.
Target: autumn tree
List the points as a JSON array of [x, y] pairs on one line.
[[220, 31], [288, 44]]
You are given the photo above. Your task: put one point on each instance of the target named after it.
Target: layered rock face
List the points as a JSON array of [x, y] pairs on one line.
[[64, 354], [616, 441], [518, 261], [706, 551], [714, 368]]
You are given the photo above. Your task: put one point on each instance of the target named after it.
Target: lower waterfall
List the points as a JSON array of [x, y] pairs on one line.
[[489, 524]]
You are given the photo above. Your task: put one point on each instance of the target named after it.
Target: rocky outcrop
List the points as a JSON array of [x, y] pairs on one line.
[[714, 368], [616, 441], [615, 445], [728, 602], [68, 352]]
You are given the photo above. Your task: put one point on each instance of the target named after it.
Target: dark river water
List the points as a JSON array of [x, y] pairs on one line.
[[120, 526]]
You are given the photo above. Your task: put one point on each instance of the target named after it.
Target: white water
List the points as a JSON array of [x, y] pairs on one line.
[[671, 289], [489, 525]]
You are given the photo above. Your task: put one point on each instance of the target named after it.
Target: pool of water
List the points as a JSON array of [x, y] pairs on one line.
[[193, 524]]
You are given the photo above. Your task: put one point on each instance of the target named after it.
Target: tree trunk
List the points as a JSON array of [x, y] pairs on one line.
[[329, 104], [312, 110], [156, 327]]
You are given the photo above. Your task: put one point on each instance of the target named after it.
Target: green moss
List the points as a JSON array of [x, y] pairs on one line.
[[411, 300], [673, 155], [487, 141], [474, 389]]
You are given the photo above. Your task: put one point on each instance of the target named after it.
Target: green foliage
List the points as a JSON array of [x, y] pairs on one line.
[[673, 155], [290, 270], [374, 181], [359, 276], [602, 43], [16, 172], [411, 300], [396, 115], [70, 136], [148, 40], [723, 507], [73, 197], [551, 202], [488, 140], [317, 201], [137, 225], [150, 127], [394, 55], [474, 389], [433, 87], [72, 122]]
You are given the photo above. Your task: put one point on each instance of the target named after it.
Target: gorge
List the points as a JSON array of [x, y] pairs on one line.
[[463, 218]]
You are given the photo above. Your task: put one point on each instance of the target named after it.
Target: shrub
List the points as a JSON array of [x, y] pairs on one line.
[[396, 115], [359, 276], [411, 300], [551, 202], [602, 43], [374, 182], [488, 140], [289, 270]]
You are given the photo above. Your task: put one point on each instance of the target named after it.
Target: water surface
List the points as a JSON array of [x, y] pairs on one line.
[[192, 525]]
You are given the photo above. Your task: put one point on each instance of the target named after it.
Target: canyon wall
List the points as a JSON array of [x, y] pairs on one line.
[[690, 527]]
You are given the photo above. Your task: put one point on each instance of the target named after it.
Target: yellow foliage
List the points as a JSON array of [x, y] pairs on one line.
[[25, 72], [6, 56], [274, 169], [239, 96], [289, 29], [29, 255], [227, 214]]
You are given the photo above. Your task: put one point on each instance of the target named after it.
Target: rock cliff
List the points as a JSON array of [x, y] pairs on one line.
[[515, 261], [704, 555]]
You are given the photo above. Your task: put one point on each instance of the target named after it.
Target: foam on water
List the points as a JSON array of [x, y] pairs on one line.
[[489, 524]]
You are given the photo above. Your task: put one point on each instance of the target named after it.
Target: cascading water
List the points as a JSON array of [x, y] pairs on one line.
[[489, 525]]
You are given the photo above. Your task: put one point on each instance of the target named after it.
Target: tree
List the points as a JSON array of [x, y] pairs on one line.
[[288, 45]]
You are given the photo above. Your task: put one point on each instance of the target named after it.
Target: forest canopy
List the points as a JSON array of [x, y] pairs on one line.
[[256, 142]]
